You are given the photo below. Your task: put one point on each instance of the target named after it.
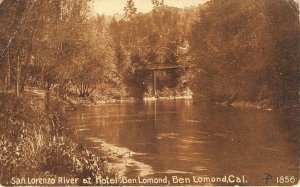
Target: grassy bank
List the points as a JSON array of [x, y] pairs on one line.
[[35, 142]]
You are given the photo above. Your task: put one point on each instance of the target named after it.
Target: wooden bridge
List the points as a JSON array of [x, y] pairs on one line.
[[154, 67], [159, 67]]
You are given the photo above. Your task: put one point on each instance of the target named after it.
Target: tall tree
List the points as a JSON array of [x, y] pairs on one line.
[[246, 50], [130, 10]]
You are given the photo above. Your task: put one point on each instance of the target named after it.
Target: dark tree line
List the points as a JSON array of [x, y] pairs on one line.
[[247, 50], [236, 49]]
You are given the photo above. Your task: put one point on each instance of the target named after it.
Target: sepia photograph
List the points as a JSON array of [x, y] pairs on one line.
[[149, 93]]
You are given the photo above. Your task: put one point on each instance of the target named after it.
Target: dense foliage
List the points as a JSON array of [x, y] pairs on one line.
[[247, 50], [233, 49], [35, 142], [157, 38], [54, 45]]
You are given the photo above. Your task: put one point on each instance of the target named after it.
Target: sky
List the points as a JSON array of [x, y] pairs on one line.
[[111, 7]]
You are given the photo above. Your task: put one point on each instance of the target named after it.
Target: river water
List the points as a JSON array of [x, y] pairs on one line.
[[189, 138]]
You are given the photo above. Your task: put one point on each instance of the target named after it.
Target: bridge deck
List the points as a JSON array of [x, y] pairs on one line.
[[161, 67]]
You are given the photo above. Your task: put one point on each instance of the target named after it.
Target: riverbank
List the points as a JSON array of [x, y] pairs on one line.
[[260, 105], [35, 142], [167, 98], [73, 101]]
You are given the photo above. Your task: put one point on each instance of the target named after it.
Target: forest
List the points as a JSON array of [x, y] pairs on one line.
[[54, 52], [232, 50]]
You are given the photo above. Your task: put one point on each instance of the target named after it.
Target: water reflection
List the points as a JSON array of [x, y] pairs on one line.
[[183, 136]]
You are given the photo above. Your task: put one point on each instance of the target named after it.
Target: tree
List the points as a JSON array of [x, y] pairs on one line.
[[246, 50], [55, 44], [96, 59], [130, 10], [157, 3], [152, 39]]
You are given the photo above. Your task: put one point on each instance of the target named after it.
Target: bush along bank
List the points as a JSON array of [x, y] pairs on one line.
[[35, 142]]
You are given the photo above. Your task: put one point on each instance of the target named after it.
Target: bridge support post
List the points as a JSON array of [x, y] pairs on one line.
[[154, 82]]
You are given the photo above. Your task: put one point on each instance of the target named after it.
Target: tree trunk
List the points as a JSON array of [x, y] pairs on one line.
[[18, 76], [7, 78], [81, 90]]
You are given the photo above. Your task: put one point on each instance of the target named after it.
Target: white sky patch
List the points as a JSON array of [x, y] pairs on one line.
[[111, 7]]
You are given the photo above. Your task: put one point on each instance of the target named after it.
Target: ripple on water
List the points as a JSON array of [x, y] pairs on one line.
[[175, 171], [80, 130], [199, 168], [194, 141], [167, 135], [192, 121]]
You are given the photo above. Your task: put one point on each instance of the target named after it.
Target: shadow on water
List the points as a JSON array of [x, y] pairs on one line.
[[195, 138]]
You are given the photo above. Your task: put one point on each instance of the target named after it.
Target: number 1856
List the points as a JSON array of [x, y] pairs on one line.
[[285, 179]]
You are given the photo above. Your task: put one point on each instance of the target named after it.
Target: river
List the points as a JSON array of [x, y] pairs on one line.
[[189, 138]]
